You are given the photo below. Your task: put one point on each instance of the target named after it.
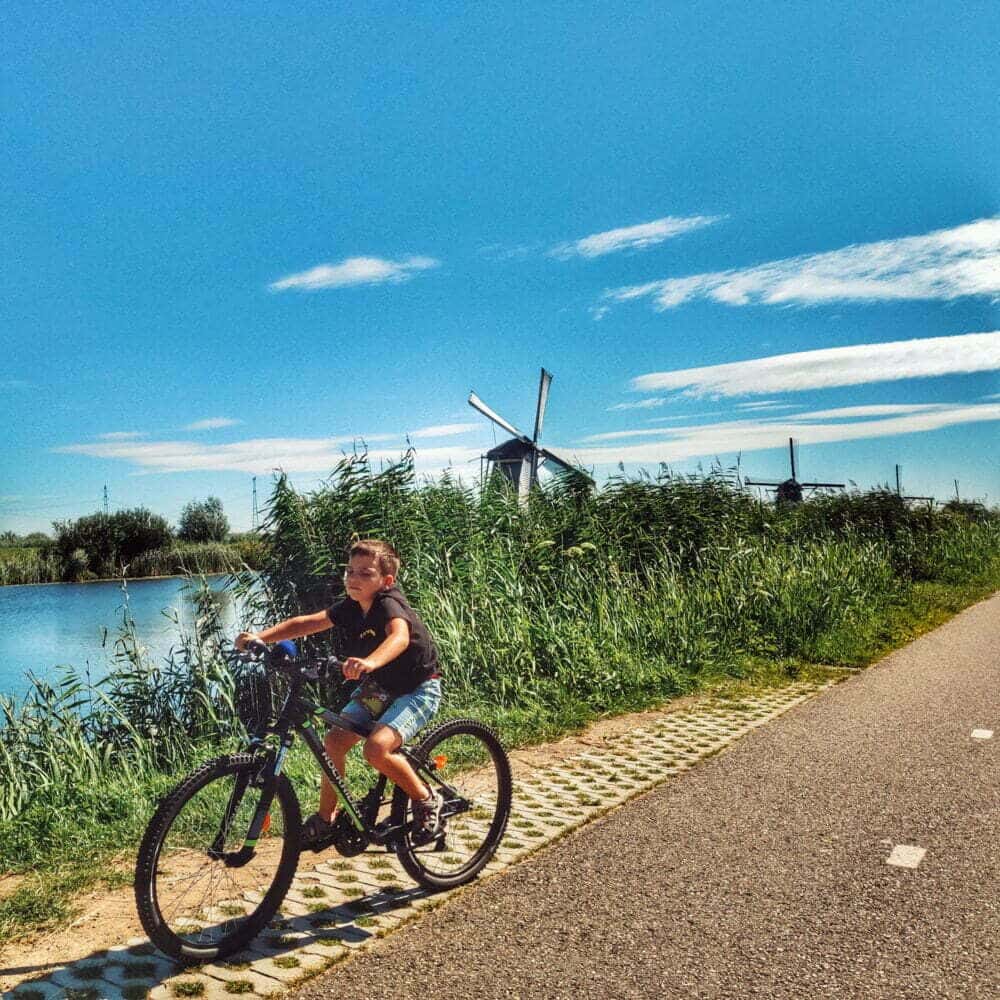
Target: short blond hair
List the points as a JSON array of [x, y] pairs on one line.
[[385, 556]]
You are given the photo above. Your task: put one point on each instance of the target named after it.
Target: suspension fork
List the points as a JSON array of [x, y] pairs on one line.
[[267, 779]]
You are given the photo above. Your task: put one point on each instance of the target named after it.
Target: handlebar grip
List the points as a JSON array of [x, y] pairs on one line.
[[257, 647]]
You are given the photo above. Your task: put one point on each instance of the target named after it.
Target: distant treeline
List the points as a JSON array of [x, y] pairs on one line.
[[135, 543]]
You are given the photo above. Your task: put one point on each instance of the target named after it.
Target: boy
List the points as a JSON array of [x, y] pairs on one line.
[[393, 656]]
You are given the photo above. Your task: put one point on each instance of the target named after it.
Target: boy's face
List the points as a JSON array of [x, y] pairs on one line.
[[363, 580]]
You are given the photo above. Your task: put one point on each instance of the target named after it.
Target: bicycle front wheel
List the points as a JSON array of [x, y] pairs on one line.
[[468, 767], [201, 891]]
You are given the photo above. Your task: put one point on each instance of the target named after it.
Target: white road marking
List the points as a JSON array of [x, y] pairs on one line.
[[906, 856], [982, 734]]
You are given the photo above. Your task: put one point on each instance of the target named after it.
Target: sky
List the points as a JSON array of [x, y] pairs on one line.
[[244, 237]]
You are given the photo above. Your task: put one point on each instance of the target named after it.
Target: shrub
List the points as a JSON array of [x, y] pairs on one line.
[[203, 521]]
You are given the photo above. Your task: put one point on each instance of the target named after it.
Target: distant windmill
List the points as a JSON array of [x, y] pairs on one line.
[[519, 459], [790, 490], [899, 489]]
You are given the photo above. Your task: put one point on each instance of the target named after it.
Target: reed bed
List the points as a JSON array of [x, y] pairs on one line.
[[39, 565], [545, 614]]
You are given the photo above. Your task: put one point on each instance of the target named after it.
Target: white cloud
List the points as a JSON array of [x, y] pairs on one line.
[[260, 455], [946, 265], [646, 234], [679, 443], [212, 423], [354, 271], [876, 410], [443, 430], [642, 404], [768, 404], [121, 435], [835, 366]]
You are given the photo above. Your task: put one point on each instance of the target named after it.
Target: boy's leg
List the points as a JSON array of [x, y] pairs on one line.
[[337, 743], [380, 752]]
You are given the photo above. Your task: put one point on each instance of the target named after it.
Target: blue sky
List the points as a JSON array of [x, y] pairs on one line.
[[240, 236]]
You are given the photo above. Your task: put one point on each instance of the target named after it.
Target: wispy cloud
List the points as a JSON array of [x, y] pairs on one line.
[[876, 410], [354, 271], [706, 440], [443, 430], [121, 435], [834, 366], [212, 423], [946, 265], [640, 237], [642, 404], [766, 404], [260, 455]]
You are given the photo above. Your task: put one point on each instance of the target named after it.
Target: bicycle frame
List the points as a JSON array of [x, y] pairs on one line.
[[295, 718]]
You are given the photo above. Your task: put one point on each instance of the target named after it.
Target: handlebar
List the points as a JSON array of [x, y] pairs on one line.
[[283, 656]]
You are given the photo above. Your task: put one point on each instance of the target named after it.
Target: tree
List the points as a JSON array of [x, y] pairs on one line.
[[108, 541], [203, 521]]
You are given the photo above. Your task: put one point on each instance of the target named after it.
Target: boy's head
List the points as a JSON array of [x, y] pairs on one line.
[[372, 566]]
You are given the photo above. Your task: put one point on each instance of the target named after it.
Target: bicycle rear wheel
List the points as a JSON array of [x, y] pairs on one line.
[[468, 766], [194, 905]]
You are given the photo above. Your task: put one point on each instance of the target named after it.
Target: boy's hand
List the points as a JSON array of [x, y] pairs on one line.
[[240, 642], [356, 667]]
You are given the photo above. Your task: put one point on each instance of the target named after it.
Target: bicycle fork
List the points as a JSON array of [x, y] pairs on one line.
[[267, 780]]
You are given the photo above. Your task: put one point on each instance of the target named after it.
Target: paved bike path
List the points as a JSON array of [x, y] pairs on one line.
[[762, 871]]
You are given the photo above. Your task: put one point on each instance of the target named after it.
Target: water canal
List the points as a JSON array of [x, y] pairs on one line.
[[48, 625]]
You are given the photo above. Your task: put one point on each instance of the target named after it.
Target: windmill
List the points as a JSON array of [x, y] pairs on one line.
[[899, 489], [519, 459], [790, 490]]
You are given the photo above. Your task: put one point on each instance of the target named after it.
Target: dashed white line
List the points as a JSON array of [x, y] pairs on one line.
[[982, 734], [906, 856]]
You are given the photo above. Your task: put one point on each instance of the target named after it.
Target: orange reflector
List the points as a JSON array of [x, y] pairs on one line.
[[267, 824], [440, 760]]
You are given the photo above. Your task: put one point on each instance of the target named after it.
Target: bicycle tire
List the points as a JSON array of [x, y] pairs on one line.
[[415, 859], [161, 927]]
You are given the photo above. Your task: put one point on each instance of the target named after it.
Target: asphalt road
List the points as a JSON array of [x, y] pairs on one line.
[[762, 872]]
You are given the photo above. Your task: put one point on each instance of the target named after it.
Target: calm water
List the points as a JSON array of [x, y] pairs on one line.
[[64, 623]]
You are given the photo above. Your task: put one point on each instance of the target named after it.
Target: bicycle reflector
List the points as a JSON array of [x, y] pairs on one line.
[[440, 760]]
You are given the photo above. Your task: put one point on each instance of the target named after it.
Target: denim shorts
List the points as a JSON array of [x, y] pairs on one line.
[[407, 714]]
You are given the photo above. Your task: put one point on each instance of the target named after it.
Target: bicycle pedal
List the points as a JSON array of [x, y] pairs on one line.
[[440, 845]]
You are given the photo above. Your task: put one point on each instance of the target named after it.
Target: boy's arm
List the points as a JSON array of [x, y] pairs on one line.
[[396, 641], [290, 628]]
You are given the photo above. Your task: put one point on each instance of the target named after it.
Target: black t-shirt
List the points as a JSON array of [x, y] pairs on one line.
[[364, 633]]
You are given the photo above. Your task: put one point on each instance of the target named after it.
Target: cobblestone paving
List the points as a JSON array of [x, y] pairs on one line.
[[341, 904]]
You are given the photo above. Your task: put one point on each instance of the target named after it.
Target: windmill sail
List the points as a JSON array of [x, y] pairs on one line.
[[543, 398], [478, 404]]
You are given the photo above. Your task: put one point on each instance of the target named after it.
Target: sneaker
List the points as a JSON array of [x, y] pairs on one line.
[[317, 834], [427, 824]]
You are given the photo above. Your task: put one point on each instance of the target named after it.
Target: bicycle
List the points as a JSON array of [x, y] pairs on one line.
[[223, 846]]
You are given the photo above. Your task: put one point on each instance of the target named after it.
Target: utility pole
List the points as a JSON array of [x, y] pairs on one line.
[[254, 502], [899, 488], [105, 499]]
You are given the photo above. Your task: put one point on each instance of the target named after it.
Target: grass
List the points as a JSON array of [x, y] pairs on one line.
[[547, 617], [188, 988]]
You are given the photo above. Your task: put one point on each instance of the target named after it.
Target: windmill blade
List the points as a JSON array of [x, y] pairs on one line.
[[477, 404], [761, 482], [831, 486], [543, 398], [562, 463]]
